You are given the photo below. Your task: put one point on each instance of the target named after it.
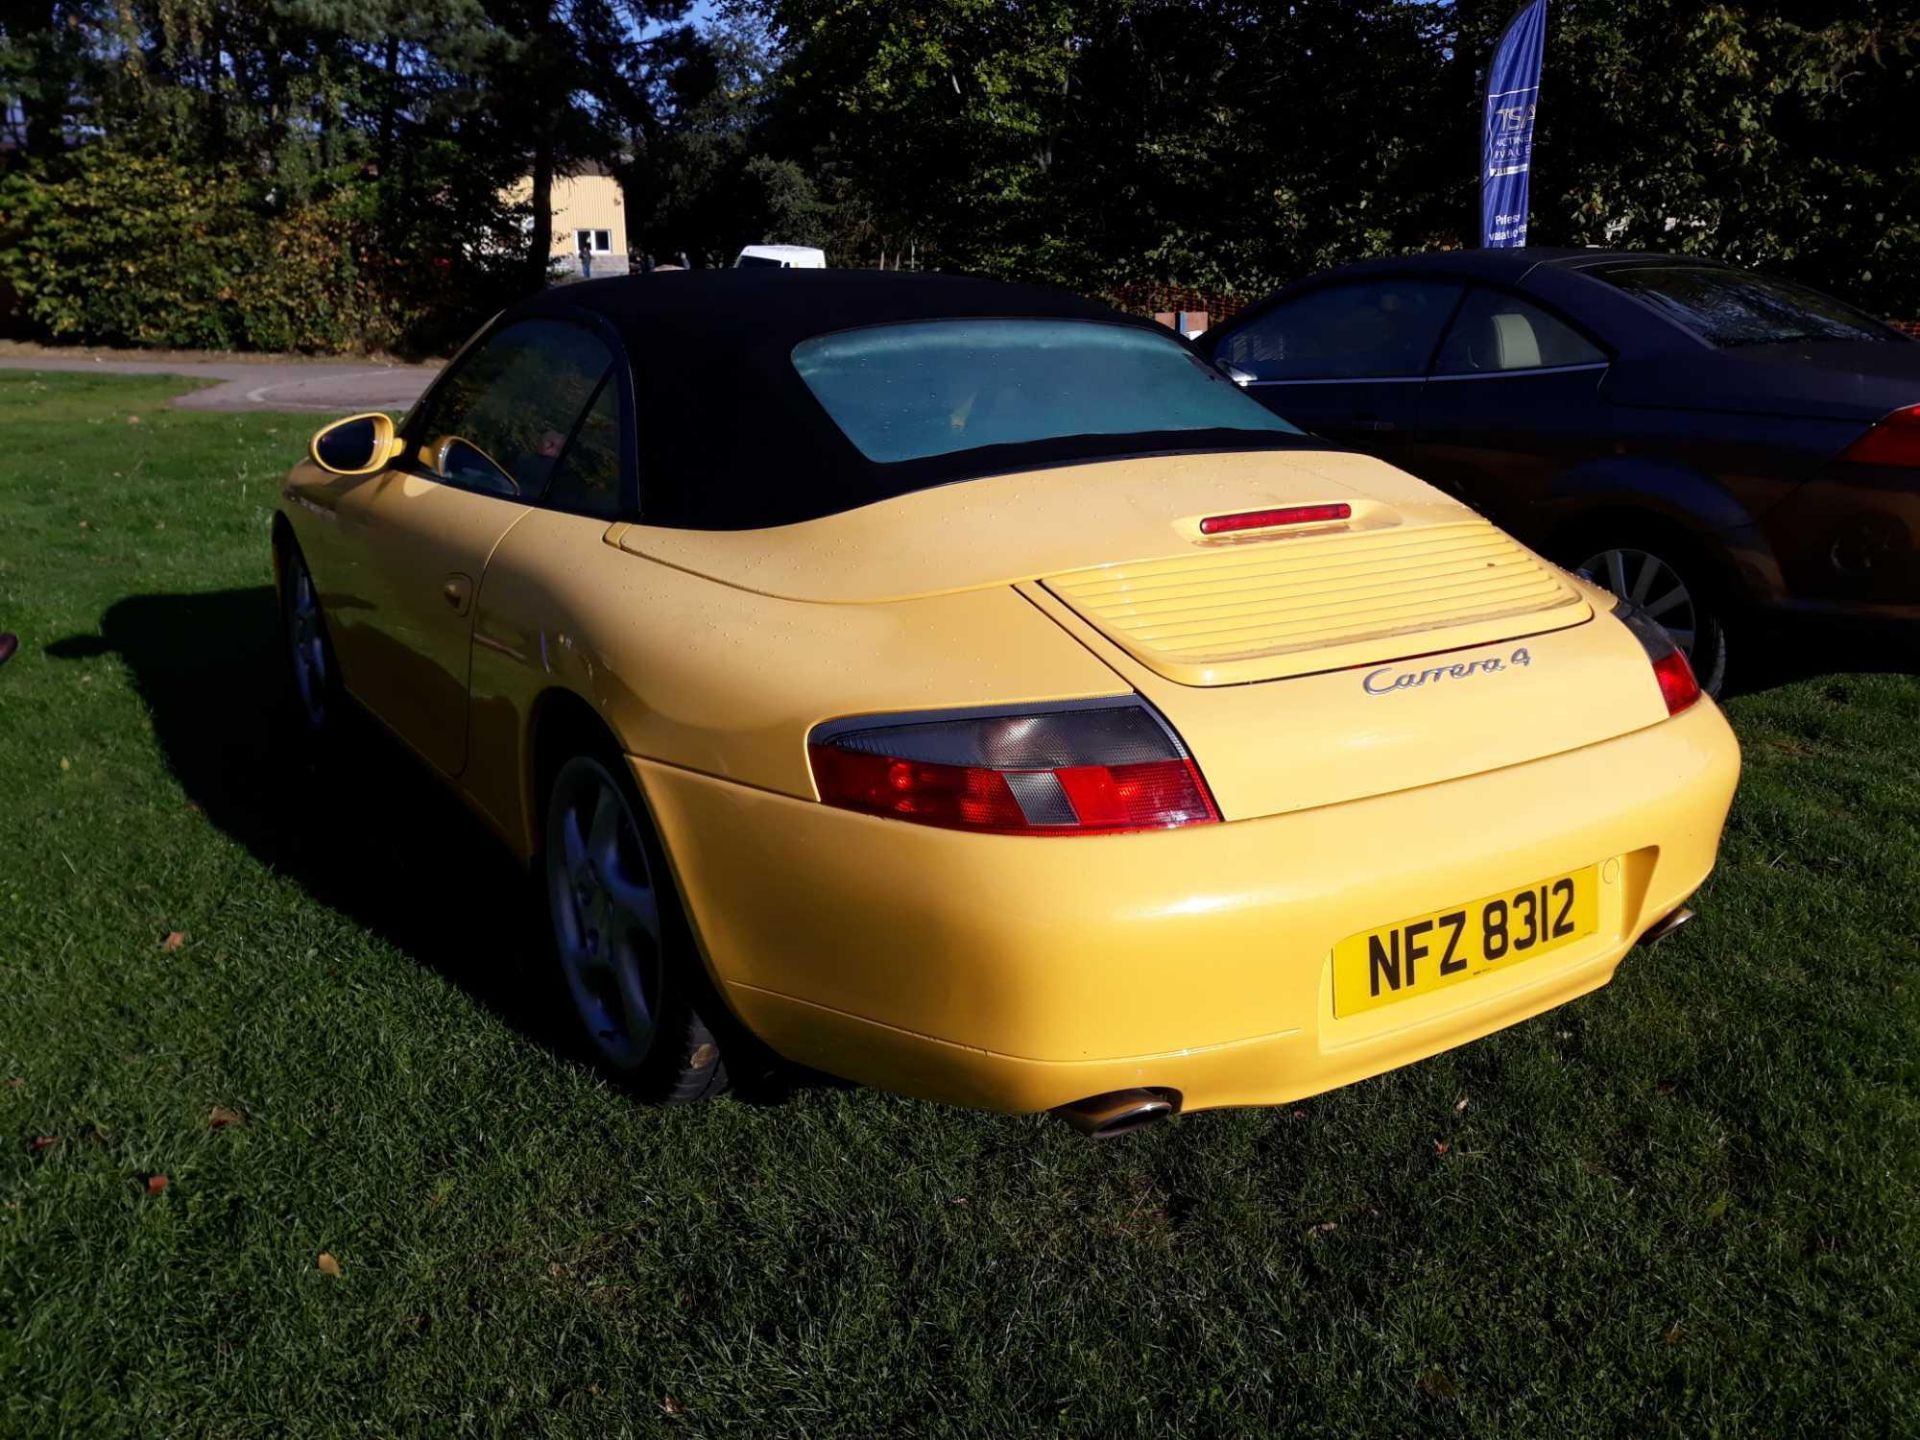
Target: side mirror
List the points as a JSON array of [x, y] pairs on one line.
[[465, 463], [358, 445]]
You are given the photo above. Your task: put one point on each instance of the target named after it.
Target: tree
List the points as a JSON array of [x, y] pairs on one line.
[[1779, 136], [1087, 141], [1223, 144]]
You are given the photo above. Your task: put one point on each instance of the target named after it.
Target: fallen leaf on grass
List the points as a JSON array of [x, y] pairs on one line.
[[175, 939], [670, 1406], [133, 419], [1437, 1386], [1440, 1147], [1459, 1104], [65, 764], [14, 1082], [156, 1185], [42, 1142], [1719, 1207], [221, 1118], [1676, 1334], [328, 1265], [1325, 1227]]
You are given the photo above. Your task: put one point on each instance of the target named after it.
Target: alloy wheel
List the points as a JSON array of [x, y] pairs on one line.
[[606, 912], [307, 644], [1655, 587]]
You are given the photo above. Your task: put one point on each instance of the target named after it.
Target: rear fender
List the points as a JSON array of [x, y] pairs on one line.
[[1696, 508], [1676, 493]]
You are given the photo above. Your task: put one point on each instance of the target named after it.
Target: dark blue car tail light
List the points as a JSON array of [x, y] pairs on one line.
[[1894, 440]]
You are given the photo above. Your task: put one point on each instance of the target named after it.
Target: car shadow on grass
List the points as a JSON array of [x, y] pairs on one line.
[[367, 830]]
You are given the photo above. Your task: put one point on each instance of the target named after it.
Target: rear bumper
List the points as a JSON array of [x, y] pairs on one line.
[[1019, 973]]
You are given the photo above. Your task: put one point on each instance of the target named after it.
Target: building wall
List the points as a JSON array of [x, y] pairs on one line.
[[584, 202], [588, 202]]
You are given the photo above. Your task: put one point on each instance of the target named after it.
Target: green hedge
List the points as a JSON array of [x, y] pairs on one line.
[[121, 249]]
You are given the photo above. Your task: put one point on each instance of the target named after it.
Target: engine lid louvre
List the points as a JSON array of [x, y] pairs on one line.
[[1313, 602]]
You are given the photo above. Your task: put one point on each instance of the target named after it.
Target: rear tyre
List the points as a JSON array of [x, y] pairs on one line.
[[310, 663], [625, 958], [1668, 578]]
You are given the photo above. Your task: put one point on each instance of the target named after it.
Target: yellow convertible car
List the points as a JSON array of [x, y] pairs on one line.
[[964, 689]]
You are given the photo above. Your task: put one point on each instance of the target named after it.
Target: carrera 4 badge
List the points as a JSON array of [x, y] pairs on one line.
[[1387, 679]]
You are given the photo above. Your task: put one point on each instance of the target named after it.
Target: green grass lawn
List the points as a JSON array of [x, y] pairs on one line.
[[1684, 1206]]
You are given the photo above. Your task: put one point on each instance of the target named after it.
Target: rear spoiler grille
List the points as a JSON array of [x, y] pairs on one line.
[[1317, 602]]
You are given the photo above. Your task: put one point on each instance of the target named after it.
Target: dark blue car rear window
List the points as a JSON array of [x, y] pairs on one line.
[[1732, 307]]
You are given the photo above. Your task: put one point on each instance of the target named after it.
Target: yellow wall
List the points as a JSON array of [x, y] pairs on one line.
[[582, 202]]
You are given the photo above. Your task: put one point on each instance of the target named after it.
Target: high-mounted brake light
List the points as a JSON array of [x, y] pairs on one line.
[[1090, 768], [1678, 687], [1894, 440], [1268, 519]]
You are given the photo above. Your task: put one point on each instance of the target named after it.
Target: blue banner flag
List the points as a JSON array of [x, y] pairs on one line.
[[1513, 94]]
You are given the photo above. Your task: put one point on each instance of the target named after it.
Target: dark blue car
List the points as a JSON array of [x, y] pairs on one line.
[[1721, 447]]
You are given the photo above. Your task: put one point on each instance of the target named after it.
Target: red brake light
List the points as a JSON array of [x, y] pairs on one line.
[[1267, 519], [1678, 687], [1090, 769], [1677, 684], [972, 799], [1895, 440]]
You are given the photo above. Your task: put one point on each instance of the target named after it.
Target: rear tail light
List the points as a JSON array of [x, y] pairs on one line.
[[1677, 684], [1895, 440], [1090, 768]]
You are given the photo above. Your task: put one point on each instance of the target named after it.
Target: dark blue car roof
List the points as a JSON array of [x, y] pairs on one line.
[[1656, 360], [1498, 265]]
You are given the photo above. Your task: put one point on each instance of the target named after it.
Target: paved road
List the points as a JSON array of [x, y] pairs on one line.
[[314, 387]]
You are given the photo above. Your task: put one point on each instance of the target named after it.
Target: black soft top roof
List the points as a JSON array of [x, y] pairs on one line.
[[731, 437]]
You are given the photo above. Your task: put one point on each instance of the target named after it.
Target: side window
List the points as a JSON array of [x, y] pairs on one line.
[[587, 479], [1497, 332], [498, 423], [1368, 329]]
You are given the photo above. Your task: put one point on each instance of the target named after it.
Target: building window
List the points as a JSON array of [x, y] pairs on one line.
[[599, 242]]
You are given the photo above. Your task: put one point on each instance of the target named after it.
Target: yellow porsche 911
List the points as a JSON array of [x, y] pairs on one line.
[[964, 689]]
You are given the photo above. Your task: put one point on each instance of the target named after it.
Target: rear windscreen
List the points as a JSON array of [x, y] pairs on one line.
[[1731, 307], [921, 389]]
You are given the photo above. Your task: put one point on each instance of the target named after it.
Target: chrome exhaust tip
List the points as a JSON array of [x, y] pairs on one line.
[[1663, 928], [1101, 1117]]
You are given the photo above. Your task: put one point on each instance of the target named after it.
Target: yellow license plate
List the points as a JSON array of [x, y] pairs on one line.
[[1429, 952]]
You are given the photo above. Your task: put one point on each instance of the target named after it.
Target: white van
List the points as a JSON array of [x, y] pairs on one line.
[[783, 257]]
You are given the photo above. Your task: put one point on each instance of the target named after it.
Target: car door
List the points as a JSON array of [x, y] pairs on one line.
[[523, 618], [1512, 402], [480, 450], [1346, 361]]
